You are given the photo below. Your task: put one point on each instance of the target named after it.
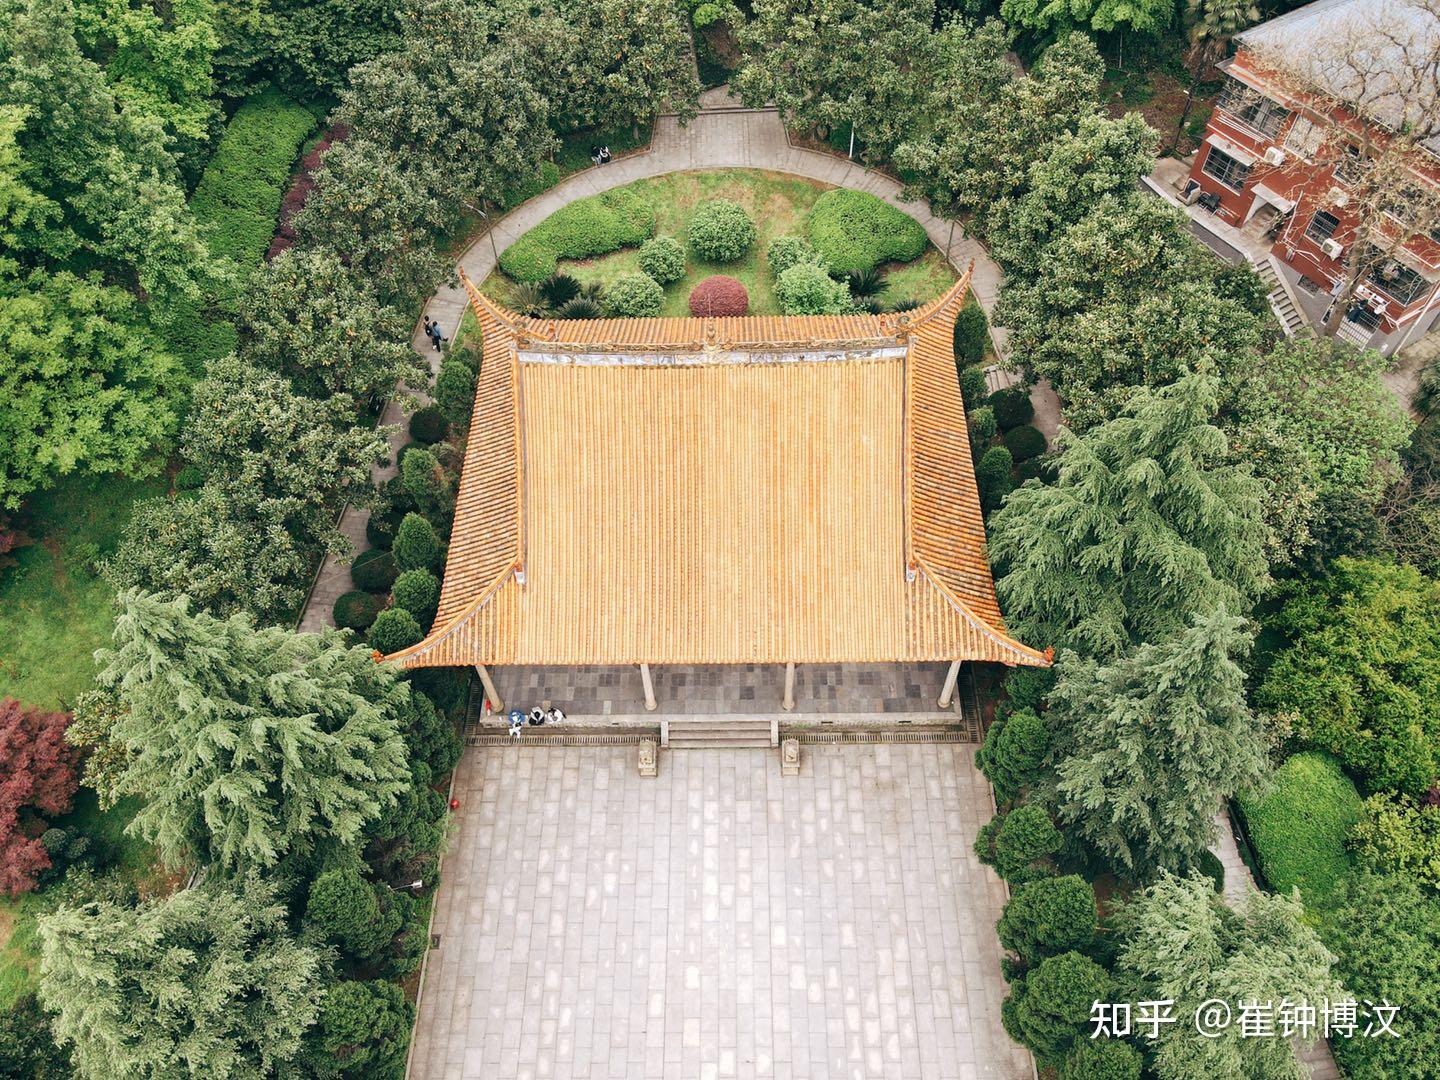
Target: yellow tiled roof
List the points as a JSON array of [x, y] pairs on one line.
[[727, 490]]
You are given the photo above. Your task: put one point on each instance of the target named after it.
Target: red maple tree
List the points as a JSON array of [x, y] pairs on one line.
[[38, 778]]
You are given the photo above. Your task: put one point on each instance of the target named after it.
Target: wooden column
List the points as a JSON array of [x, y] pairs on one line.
[[649, 687], [491, 694], [788, 703], [947, 692]]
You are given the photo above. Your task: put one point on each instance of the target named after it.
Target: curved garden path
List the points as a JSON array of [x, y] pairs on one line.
[[724, 135]]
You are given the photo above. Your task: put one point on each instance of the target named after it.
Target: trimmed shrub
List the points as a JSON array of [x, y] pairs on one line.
[[416, 547], [380, 529], [982, 429], [972, 385], [992, 476], [418, 592], [428, 425], [394, 629], [1012, 407], [400, 456], [1298, 830], [1025, 442], [364, 1029], [373, 571], [1016, 842], [429, 485], [663, 258], [854, 230], [787, 251], [633, 296], [1210, 865], [1043, 469], [1049, 916], [343, 909], [719, 295], [455, 393], [972, 334], [1102, 1059], [356, 610], [585, 228], [1013, 750], [806, 289], [546, 177], [720, 231], [1049, 1010]]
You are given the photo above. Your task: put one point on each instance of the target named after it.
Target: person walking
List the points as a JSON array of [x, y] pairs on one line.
[[435, 335]]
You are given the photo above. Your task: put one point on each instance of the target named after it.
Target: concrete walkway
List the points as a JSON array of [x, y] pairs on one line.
[[724, 135]]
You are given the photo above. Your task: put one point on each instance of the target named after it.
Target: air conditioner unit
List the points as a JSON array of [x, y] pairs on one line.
[[1333, 248], [1274, 155]]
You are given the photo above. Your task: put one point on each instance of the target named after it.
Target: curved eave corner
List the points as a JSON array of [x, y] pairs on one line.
[[1004, 648]]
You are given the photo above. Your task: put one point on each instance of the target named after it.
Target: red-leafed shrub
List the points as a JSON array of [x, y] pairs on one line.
[[719, 295], [11, 539], [301, 184], [37, 777]]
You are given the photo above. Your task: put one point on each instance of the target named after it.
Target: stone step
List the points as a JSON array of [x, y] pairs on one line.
[[726, 732]]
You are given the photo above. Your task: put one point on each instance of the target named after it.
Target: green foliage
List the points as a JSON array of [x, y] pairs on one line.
[[1298, 830], [1362, 671], [417, 546], [27, 1048], [1398, 837], [1049, 1009], [86, 385], [247, 744], [374, 571], [356, 610], [430, 736], [1102, 1059], [394, 629], [854, 231], [1178, 707], [992, 476], [1014, 749], [428, 424], [318, 41], [1015, 842], [1180, 529], [971, 336], [418, 592], [720, 231], [1182, 943], [363, 1032], [806, 289], [1385, 935], [455, 393], [429, 485], [786, 251], [633, 296], [546, 177], [663, 258], [1024, 442], [1049, 916], [1102, 16], [580, 230], [982, 429], [1209, 865], [1012, 407], [209, 976], [345, 911]]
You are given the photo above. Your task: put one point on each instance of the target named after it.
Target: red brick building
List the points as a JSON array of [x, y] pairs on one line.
[[1269, 165]]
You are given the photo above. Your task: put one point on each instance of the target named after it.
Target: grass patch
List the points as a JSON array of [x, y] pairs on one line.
[[1298, 831], [778, 204], [54, 611]]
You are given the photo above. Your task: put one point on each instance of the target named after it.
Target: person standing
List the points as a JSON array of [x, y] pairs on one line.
[[435, 335]]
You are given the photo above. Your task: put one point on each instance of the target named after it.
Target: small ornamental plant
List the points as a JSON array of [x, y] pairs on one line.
[[663, 258], [719, 295], [721, 231], [632, 296]]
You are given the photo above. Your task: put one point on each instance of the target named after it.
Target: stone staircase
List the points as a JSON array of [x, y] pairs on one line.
[[1291, 318], [706, 733]]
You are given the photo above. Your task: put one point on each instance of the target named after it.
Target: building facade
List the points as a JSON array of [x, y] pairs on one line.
[[1269, 165]]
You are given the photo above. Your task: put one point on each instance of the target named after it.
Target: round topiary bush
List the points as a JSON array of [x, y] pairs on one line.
[[1049, 916], [416, 547], [455, 393], [663, 258], [982, 427], [418, 592], [380, 529], [972, 334], [1211, 866], [719, 295], [633, 296], [394, 629], [786, 251], [1025, 442], [721, 231], [428, 425], [972, 385], [356, 610], [1012, 407], [992, 476], [374, 571], [1102, 1059], [1042, 469], [1049, 1010], [854, 230], [806, 289]]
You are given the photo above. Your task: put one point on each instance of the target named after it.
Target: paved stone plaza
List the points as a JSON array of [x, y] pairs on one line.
[[717, 922]]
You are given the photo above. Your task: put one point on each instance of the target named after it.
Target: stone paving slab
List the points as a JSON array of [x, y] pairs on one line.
[[718, 921]]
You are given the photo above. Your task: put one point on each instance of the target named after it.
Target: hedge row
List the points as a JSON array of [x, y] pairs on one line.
[[236, 204], [588, 227], [854, 231], [1298, 830]]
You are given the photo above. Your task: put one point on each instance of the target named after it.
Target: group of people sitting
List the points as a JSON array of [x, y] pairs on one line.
[[599, 154], [535, 717]]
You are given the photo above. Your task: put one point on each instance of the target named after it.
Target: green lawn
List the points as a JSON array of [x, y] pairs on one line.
[[54, 612], [778, 204]]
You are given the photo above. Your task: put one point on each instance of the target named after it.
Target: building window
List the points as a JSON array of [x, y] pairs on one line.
[[1225, 168], [1398, 280], [1251, 107], [1304, 137], [1322, 227]]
